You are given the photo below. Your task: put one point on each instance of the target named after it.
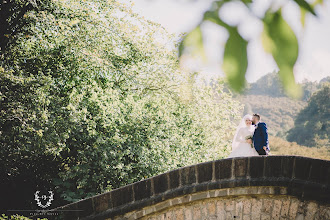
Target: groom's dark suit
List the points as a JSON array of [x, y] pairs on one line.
[[260, 138]]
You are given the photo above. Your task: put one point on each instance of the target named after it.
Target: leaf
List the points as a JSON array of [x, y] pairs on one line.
[[302, 16], [235, 55], [279, 39], [213, 16], [235, 59], [305, 5], [194, 42]]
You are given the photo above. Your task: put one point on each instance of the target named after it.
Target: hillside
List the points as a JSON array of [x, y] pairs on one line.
[[278, 112], [278, 146], [266, 97], [312, 125]]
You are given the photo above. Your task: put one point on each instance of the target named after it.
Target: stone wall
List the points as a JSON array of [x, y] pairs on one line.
[[294, 187], [234, 203], [244, 208]]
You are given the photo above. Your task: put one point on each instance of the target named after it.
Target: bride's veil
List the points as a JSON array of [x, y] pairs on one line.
[[241, 125]]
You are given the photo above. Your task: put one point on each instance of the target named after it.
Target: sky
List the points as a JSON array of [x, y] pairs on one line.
[[180, 16]]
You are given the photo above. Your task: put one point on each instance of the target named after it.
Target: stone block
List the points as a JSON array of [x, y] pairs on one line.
[[188, 176], [238, 191], [204, 172], [246, 217], [285, 208], [287, 166], [277, 209], [240, 167], [256, 167], [242, 182], [221, 192], [142, 190], [247, 204], [302, 168], [176, 201], [188, 213], [239, 209], [160, 183], [168, 215], [256, 208], [230, 183], [197, 212], [265, 217], [121, 196], [293, 208], [204, 210], [149, 210], [86, 207], [267, 206], [162, 205], [320, 171], [201, 187], [179, 214], [101, 202], [174, 176], [273, 166], [223, 169], [199, 196], [212, 208], [69, 213], [230, 205], [221, 212], [312, 208]]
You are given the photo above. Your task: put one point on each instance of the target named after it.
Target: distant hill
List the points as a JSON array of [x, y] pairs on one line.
[[267, 97], [270, 85], [278, 146], [277, 112], [312, 125]]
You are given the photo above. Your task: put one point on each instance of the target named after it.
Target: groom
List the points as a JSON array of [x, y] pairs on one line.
[[260, 136]]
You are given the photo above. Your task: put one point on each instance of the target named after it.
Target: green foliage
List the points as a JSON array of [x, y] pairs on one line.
[[92, 99], [278, 39], [312, 125], [235, 59], [17, 217]]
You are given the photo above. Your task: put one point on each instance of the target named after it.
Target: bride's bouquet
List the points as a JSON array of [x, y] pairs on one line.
[[249, 137]]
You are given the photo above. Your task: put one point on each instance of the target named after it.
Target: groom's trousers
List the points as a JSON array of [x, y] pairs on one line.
[[262, 152]]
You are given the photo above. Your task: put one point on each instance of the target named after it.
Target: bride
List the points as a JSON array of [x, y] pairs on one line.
[[240, 145]]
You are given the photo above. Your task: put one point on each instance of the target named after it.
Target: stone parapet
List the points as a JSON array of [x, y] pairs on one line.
[[293, 177]]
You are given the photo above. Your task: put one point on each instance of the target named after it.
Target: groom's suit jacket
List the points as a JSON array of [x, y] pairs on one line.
[[260, 136]]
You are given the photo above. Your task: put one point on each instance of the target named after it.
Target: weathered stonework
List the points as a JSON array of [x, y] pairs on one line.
[[263, 187], [243, 207], [236, 203]]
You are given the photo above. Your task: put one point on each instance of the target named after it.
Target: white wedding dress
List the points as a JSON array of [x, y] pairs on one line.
[[240, 147]]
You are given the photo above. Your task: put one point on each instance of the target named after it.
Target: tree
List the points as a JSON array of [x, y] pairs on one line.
[[312, 123], [92, 99], [278, 39]]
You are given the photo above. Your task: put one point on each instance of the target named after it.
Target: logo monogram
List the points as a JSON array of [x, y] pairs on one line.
[[44, 197]]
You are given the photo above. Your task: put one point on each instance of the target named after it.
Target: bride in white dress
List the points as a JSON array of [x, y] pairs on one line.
[[240, 145]]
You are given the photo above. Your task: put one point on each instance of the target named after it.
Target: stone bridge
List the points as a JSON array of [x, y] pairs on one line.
[[272, 187]]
